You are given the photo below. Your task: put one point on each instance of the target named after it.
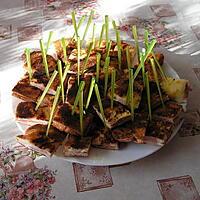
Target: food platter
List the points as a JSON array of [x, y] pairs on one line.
[[127, 153], [98, 101]]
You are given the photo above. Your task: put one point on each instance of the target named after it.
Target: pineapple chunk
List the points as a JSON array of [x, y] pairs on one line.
[[176, 89]]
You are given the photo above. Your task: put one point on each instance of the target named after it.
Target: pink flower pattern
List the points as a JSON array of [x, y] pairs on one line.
[[17, 183]]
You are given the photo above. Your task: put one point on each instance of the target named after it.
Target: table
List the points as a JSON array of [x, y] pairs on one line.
[[175, 24]]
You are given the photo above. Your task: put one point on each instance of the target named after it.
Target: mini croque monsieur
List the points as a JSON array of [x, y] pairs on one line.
[[35, 138]]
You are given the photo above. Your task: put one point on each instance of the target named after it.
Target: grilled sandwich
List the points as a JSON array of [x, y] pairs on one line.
[[65, 121], [103, 139], [76, 146], [35, 138], [27, 114], [115, 116], [132, 130]]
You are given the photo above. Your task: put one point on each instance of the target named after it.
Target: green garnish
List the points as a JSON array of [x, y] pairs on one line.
[[114, 25], [129, 67], [131, 93], [106, 66], [44, 57], [107, 30], [101, 35], [148, 95], [119, 49], [80, 89], [81, 111], [108, 48], [88, 55], [98, 66], [66, 71], [128, 58], [78, 57], [99, 102], [28, 61], [90, 92], [146, 39], [79, 24], [61, 80], [156, 79], [158, 64], [56, 98], [113, 78], [119, 54], [49, 40], [93, 35], [88, 25], [74, 24], [144, 57], [53, 76], [135, 36], [64, 46]]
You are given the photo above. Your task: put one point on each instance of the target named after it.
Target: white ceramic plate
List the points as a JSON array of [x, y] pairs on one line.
[[128, 153]]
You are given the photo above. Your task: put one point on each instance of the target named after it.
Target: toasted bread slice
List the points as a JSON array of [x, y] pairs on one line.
[[35, 138], [132, 130], [103, 139], [161, 130], [115, 116], [37, 63], [172, 112], [121, 92], [65, 121], [26, 92], [26, 113], [77, 146]]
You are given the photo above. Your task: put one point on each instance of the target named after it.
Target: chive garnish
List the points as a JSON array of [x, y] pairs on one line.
[[131, 93], [28, 61], [64, 46], [135, 36], [146, 39], [78, 58], [81, 88], [99, 102], [158, 64], [108, 48], [56, 98], [144, 57], [88, 25], [106, 66], [74, 23], [90, 92], [128, 58], [81, 111], [49, 40], [44, 57], [101, 35], [119, 49], [79, 24], [61, 80], [114, 25], [93, 35], [156, 79], [107, 30], [98, 66], [66, 71], [148, 95], [88, 55], [53, 76], [113, 78], [129, 67]]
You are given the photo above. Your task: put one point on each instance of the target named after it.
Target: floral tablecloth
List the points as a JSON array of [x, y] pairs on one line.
[[170, 174]]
